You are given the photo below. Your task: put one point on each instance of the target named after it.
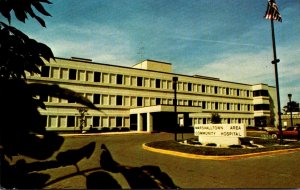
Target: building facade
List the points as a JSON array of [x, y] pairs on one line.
[[141, 97]]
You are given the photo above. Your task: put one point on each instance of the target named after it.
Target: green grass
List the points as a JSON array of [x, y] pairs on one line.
[[269, 145]]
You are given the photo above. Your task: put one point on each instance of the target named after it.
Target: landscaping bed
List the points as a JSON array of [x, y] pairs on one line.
[[268, 145]]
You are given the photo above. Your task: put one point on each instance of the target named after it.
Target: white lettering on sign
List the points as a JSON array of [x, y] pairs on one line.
[[220, 130]]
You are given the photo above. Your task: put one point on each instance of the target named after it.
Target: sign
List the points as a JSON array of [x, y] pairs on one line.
[[223, 134], [220, 130]]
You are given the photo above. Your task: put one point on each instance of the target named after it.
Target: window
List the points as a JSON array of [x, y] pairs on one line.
[[239, 107], [157, 83], [97, 76], [260, 93], [189, 86], [261, 107], [227, 91], [203, 105], [203, 88], [228, 120], [248, 93], [119, 79], [140, 81], [157, 101], [204, 120], [239, 120], [190, 103], [216, 90], [71, 121], [238, 92], [96, 98], [119, 122], [119, 101], [72, 74], [96, 122], [228, 106], [216, 105], [139, 101], [248, 107], [45, 71]]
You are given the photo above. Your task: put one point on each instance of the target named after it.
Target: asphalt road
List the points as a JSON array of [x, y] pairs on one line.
[[277, 171]]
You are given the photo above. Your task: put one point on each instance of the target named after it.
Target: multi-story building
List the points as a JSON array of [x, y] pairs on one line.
[[141, 97]]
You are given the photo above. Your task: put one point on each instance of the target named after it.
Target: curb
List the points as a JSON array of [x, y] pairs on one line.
[[207, 157]]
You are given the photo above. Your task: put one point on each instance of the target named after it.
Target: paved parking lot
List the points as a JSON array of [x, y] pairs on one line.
[[277, 171]]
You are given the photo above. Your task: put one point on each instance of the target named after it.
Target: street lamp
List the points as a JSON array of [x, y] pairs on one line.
[[290, 106], [175, 80]]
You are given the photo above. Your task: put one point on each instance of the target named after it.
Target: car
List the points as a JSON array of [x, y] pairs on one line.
[[290, 132]]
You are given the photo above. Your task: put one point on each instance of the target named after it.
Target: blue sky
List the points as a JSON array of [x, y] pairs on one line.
[[228, 39]]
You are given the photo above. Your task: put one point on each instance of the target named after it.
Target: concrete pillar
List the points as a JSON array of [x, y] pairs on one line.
[[149, 122], [139, 122]]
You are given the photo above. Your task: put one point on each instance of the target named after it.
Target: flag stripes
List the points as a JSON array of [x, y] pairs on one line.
[[272, 11]]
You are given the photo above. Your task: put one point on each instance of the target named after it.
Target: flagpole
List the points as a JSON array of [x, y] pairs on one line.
[[275, 61]]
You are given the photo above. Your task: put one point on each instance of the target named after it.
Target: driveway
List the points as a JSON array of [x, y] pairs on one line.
[[278, 171]]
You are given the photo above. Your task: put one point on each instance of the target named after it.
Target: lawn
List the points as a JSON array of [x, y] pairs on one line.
[[268, 145]]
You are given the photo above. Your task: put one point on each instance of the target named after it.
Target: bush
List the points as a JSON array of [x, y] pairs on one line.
[[235, 146], [115, 129], [124, 129], [105, 129]]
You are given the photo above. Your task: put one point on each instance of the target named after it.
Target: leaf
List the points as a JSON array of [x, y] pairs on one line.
[[40, 8], [45, 51], [41, 21]]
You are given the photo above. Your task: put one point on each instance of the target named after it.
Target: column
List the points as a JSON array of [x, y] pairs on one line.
[[139, 122], [149, 122]]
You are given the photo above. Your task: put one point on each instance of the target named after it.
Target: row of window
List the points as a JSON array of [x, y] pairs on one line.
[[118, 100], [54, 121], [120, 79], [98, 121]]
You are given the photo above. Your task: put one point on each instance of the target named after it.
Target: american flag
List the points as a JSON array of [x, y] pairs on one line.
[[272, 11]]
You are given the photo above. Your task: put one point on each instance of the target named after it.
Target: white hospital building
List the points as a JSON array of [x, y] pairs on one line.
[[141, 97]]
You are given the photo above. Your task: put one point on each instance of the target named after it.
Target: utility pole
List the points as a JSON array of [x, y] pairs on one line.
[[175, 80]]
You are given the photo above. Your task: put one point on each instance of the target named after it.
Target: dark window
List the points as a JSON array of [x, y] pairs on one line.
[[119, 121], [204, 120], [72, 74], [96, 122], [228, 106], [189, 86], [248, 93], [139, 101], [216, 105], [119, 79], [228, 120], [203, 105], [248, 107], [238, 92], [45, 71], [260, 93], [71, 121], [96, 99], [119, 100], [157, 101], [261, 107], [44, 98], [239, 120], [227, 91], [203, 88], [97, 76], [239, 107], [157, 83], [140, 81], [190, 102], [216, 90]]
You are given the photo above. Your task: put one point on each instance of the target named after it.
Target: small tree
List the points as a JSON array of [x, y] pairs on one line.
[[215, 118], [291, 106]]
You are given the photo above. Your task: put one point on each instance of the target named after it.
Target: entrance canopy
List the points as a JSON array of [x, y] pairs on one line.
[[166, 108], [159, 116]]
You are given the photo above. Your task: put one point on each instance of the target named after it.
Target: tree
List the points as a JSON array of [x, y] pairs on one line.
[[291, 106], [22, 131], [215, 118]]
